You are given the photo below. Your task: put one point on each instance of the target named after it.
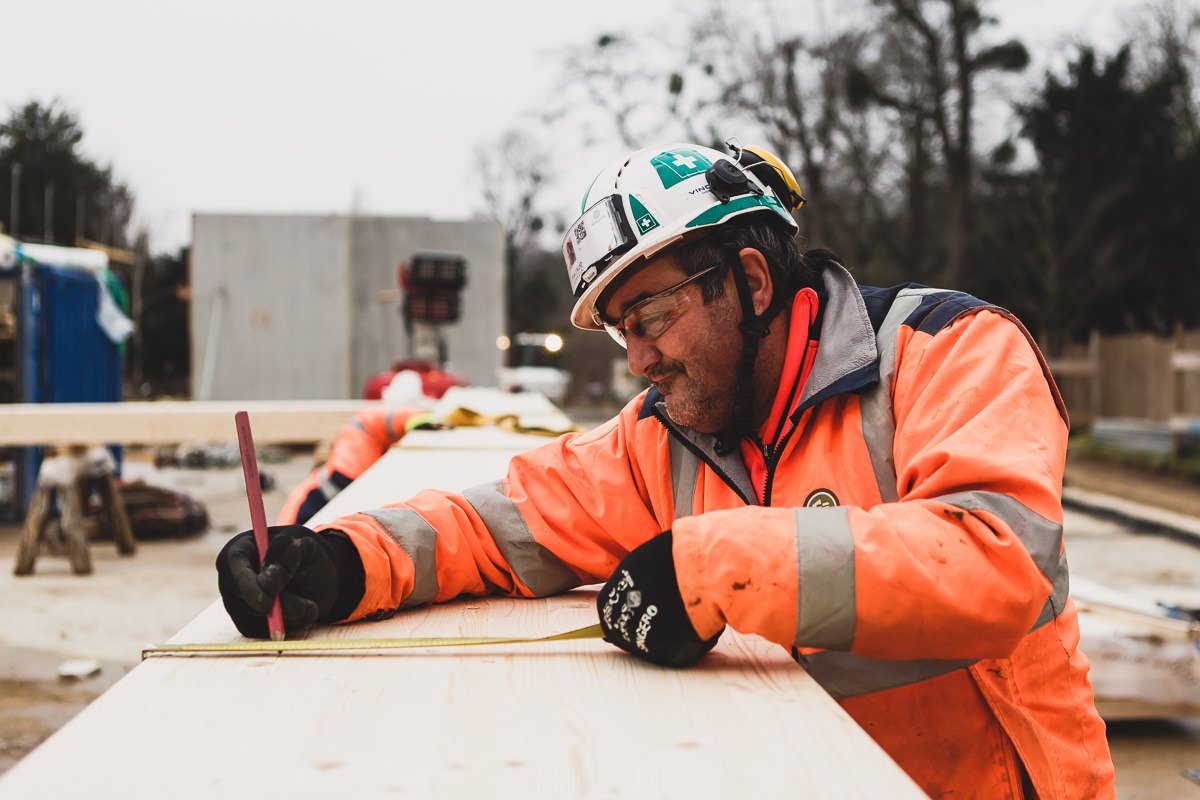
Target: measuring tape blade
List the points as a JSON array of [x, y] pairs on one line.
[[266, 647]]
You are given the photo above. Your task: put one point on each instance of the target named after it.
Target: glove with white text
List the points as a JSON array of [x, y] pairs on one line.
[[641, 610]]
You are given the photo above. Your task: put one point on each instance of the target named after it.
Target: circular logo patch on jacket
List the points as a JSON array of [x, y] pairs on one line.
[[821, 498]]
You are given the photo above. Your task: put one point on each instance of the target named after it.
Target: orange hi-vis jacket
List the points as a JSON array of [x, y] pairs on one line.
[[359, 444], [911, 555]]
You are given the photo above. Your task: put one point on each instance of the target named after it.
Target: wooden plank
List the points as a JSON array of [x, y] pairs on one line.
[[1185, 361], [1180, 424], [1139, 515], [1136, 379], [565, 719], [1072, 366], [171, 422]]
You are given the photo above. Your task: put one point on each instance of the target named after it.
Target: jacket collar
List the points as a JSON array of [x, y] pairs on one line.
[[847, 359]]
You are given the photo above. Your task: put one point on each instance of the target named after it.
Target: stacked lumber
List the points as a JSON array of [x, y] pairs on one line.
[[572, 718]]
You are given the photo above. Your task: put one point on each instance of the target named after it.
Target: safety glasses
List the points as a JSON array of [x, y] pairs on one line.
[[650, 318]]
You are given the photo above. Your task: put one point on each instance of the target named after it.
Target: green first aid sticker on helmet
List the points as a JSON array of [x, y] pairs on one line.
[[643, 220], [676, 165]]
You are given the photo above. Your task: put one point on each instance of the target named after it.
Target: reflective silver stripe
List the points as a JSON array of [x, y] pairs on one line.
[[1058, 598], [387, 424], [825, 561], [534, 565], [848, 675], [685, 469], [875, 406], [418, 539], [325, 482], [845, 674], [1041, 537]]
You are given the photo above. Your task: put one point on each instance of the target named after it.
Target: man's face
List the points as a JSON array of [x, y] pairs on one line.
[[694, 361]]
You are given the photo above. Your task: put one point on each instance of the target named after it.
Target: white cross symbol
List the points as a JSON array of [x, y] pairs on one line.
[[645, 222], [688, 162]]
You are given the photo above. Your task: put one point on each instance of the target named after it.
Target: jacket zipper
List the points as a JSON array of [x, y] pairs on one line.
[[770, 461], [772, 458], [750, 501]]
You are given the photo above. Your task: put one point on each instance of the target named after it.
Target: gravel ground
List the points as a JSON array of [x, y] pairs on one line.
[[127, 602]]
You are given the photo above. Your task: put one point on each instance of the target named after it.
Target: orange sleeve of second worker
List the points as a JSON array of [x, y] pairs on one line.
[[365, 439], [296, 497], [578, 503]]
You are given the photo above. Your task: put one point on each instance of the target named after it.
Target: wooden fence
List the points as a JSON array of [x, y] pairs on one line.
[[1132, 375]]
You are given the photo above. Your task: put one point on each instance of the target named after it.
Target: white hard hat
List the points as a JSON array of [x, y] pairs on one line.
[[648, 200], [405, 389]]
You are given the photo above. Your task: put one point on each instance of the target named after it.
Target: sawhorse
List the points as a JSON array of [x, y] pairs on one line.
[[69, 482]]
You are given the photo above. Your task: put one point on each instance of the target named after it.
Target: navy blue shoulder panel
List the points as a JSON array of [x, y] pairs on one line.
[[936, 310], [652, 399], [945, 309], [879, 301], [939, 309]]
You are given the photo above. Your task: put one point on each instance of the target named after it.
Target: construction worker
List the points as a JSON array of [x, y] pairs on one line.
[[869, 477], [359, 444]]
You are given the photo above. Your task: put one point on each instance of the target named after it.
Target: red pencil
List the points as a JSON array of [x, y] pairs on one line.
[[258, 517]]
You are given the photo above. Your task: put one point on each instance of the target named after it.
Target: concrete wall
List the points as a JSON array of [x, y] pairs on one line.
[[283, 287], [309, 308]]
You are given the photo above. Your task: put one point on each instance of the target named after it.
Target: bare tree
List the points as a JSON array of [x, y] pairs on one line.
[[513, 170], [874, 113], [642, 88], [937, 93], [758, 77], [1169, 32], [786, 79]]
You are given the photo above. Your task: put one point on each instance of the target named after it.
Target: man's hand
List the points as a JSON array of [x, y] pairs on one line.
[[315, 576], [641, 610]]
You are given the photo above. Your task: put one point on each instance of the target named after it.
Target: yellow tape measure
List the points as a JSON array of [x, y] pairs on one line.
[[267, 647]]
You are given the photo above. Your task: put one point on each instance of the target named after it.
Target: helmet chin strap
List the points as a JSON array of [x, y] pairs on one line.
[[754, 328]]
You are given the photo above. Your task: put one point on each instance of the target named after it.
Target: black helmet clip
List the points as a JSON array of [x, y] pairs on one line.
[[725, 181]]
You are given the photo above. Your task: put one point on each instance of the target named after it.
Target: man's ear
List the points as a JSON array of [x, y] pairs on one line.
[[758, 278]]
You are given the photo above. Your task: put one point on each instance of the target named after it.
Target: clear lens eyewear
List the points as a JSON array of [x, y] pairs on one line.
[[650, 318]]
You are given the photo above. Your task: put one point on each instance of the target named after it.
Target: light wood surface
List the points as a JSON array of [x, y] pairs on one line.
[[172, 422], [548, 720], [556, 720]]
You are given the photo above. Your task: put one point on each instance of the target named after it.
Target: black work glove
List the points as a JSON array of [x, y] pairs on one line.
[[641, 610], [317, 577]]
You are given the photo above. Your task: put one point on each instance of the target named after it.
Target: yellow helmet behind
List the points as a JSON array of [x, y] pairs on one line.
[[768, 168]]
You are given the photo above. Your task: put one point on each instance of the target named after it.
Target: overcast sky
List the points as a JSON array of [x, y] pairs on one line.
[[274, 106]]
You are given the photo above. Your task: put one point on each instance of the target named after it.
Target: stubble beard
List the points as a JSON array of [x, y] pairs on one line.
[[688, 405], [701, 397]]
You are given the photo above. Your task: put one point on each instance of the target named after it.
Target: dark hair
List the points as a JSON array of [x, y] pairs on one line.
[[792, 269]]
